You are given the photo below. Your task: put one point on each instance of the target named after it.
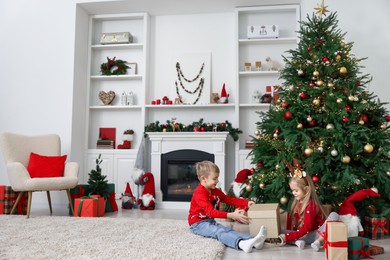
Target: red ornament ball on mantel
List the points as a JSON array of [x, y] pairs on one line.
[[288, 115], [223, 124], [202, 129], [315, 179]]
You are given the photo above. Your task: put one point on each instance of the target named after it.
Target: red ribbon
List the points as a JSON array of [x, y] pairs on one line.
[[362, 252], [112, 201], [380, 224]]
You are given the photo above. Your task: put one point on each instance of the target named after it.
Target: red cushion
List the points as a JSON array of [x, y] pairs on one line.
[[41, 166]]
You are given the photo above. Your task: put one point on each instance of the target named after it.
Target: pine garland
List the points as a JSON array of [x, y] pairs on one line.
[[113, 67], [198, 126]]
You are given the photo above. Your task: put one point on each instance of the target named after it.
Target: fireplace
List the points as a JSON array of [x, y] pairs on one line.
[[178, 173], [163, 143]]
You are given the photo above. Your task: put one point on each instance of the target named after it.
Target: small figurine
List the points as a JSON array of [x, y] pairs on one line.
[[224, 99]]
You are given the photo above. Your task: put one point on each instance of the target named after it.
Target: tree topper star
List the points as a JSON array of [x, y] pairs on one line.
[[321, 9]]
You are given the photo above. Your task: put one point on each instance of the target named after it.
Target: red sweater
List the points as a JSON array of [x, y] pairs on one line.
[[205, 204], [312, 220]]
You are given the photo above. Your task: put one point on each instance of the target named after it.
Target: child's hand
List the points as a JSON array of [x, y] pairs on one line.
[[250, 203], [238, 215]]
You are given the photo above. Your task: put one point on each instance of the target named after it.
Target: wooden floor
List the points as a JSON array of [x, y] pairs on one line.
[[269, 252]]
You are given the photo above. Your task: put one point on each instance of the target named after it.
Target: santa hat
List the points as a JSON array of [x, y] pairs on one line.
[[128, 190], [149, 184], [223, 92], [243, 175], [348, 213]]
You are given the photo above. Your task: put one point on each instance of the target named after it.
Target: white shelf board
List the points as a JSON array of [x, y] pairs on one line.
[[267, 41], [117, 46], [255, 105], [231, 105], [115, 77], [258, 73], [109, 107]]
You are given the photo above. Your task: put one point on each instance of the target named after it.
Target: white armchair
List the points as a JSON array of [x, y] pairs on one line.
[[16, 151]]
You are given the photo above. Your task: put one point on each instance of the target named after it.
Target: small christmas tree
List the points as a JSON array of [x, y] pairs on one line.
[[97, 182]]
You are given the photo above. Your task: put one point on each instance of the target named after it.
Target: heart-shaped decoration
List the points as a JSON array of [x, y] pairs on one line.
[[107, 98]]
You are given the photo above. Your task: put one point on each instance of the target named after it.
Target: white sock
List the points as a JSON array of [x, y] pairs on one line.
[[261, 236], [300, 244], [316, 245], [246, 245]]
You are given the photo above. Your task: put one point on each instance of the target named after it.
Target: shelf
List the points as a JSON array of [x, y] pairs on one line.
[[259, 73], [231, 105], [267, 41], [116, 77], [117, 46], [109, 107], [112, 151], [255, 105]]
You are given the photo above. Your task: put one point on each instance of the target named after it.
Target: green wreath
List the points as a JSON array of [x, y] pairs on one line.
[[114, 67]]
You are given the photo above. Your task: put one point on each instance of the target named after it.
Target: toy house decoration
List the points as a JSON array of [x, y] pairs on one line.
[[116, 38], [263, 31]]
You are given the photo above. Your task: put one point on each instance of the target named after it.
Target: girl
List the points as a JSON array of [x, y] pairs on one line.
[[204, 208], [306, 212]]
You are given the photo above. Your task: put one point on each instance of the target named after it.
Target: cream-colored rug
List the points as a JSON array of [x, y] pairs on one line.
[[52, 237]]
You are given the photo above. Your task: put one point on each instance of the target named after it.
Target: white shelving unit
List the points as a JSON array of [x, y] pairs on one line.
[[287, 17], [117, 163]]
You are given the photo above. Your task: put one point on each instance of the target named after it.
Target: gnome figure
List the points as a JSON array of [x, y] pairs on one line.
[[128, 199], [147, 200], [224, 99], [348, 213], [237, 187]]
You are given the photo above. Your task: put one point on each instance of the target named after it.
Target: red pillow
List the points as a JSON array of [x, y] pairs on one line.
[[41, 166]]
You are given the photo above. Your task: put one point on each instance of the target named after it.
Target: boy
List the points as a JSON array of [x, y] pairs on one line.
[[204, 208]]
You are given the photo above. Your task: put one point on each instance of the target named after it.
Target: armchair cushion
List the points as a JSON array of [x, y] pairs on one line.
[[40, 166]]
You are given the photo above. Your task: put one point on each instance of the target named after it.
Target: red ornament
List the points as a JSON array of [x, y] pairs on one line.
[[223, 124], [364, 118], [315, 179], [325, 59], [196, 129], [312, 84], [252, 170], [298, 87], [347, 108], [285, 105], [260, 164], [202, 129], [387, 118], [303, 95], [288, 115], [345, 120], [358, 83], [312, 123]]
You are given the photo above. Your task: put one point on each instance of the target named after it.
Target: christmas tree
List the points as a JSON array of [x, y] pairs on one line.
[[325, 118], [97, 182]]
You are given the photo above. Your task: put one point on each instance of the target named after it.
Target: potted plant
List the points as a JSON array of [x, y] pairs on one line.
[[97, 182], [128, 135]]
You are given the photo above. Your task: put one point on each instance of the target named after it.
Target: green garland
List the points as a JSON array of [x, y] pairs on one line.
[[113, 67], [199, 126]]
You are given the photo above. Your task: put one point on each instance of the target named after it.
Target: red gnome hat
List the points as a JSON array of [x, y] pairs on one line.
[[243, 175], [348, 213], [240, 182], [149, 184], [223, 92], [128, 190]]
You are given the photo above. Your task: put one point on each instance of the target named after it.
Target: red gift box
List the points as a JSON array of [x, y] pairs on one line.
[[101, 205], [85, 207], [7, 200], [374, 228]]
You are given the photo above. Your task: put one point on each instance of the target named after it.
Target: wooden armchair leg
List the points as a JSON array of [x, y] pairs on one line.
[[70, 201], [49, 200], [17, 202], [29, 199]]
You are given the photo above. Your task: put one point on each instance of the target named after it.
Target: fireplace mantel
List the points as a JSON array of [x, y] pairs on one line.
[[164, 142]]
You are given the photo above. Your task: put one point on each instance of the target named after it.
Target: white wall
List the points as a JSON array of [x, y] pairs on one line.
[[37, 61]]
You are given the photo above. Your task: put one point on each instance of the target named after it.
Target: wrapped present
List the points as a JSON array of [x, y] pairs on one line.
[[111, 205], [374, 228], [336, 244], [101, 205], [86, 207], [79, 191], [264, 215], [8, 199], [376, 250], [358, 247]]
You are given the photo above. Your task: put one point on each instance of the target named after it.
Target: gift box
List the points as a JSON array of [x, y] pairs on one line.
[[374, 228], [375, 250], [86, 207], [336, 244], [79, 191], [358, 247], [264, 215], [111, 205], [101, 205], [8, 198]]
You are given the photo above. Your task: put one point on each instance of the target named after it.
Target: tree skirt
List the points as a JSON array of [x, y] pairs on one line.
[[52, 237]]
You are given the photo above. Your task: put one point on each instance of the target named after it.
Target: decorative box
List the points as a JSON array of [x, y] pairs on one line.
[[358, 247], [264, 215], [376, 250], [116, 38], [8, 199], [263, 31], [86, 207], [374, 228], [336, 237]]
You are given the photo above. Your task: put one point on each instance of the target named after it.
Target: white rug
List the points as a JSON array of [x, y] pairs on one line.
[[52, 237]]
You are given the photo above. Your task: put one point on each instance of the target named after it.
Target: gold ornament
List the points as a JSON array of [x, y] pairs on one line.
[[343, 70], [321, 9], [334, 188], [388, 173], [330, 85], [248, 188], [329, 126], [338, 57], [319, 83], [351, 98], [346, 159], [368, 148], [339, 100], [357, 181], [308, 152], [261, 185], [276, 135], [316, 73], [316, 102], [299, 126], [283, 200], [361, 122]]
